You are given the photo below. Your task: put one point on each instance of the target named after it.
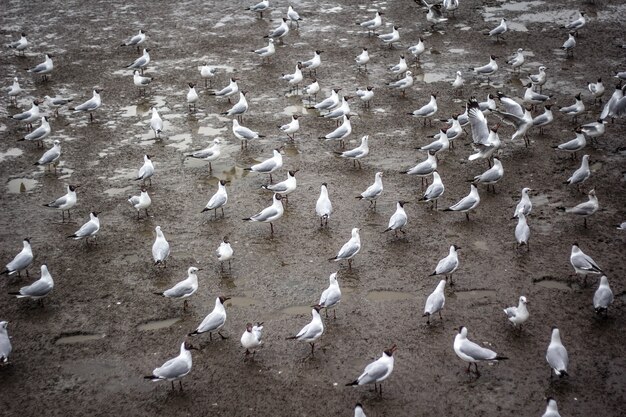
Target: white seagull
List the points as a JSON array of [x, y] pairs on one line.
[[30, 115], [140, 202], [217, 200], [552, 410], [581, 174], [251, 338], [435, 301], [525, 205], [269, 165], [280, 32], [377, 371], [89, 229], [192, 97], [557, 355], [136, 40], [331, 296], [291, 128], [603, 297], [156, 123], [231, 89], [20, 45], [587, 208], [224, 253], [398, 220], [175, 368], [312, 331], [5, 343], [467, 203], [185, 288], [323, 206], [160, 248], [44, 68], [66, 202], [146, 171], [582, 263], [244, 134], [362, 59], [391, 37], [214, 321], [518, 315], [491, 176], [499, 30], [266, 51], [260, 7], [448, 265], [141, 62], [21, 261], [357, 153], [284, 188], [427, 111], [207, 72], [349, 249], [403, 83], [90, 105], [372, 24], [39, 134], [341, 132], [239, 108], [471, 352], [372, 192], [269, 214], [434, 190]]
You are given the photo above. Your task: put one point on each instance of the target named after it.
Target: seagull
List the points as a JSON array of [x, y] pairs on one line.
[[377, 371], [5, 343], [226, 92], [487, 69], [21, 261], [175, 368], [525, 205], [357, 153], [603, 297], [391, 37], [587, 208], [609, 107], [146, 171], [218, 200], [51, 156], [532, 97], [142, 62], [488, 105], [372, 24], [517, 59], [594, 130], [435, 301], [207, 72], [57, 102], [583, 264], [331, 102], [312, 331], [251, 338], [597, 90], [403, 83], [417, 50], [499, 30], [294, 79], [575, 109], [398, 220], [323, 206], [438, 145], [192, 97], [373, 191], [66, 202], [362, 59], [313, 63], [434, 190], [341, 132], [291, 128], [44, 68], [136, 40], [214, 321], [15, 90], [29, 116], [574, 145], [540, 78], [448, 265], [20, 45], [400, 68], [156, 123], [141, 81], [458, 82], [518, 315], [551, 409], [471, 352], [569, 44], [269, 165], [331, 296], [365, 95], [358, 410], [244, 134], [90, 105], [522, 124], [89, 229], [544, 119], [339, 112], [451, 5], [522, 231], [478, 123], [260, 7], [349, 249], [239, 108], [491, 176], [284, 188], [279, 32], [269, 214], [140, 202], [485, 151], [577, 24], [581, 174], [557, 355], [185, 288], [311, 90], [224, 253], [427, 111], [434, 14], [266, 51], [293, 16], [424, 168], [467, 203], [160, 248], [39, 134]]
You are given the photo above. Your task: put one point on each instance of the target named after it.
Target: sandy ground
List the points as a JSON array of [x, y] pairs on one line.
[[101, 330]]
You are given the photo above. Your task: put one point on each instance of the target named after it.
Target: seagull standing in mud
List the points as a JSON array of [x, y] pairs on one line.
[[448, 265], [136, 40], [141, 81], [522, 231], [341, 132], [552, 410], [21, 261], [544, 119], [435, 301], [295, 78], [377, 371], [362, 59], [398, 220], [39, 134], [391, 37], [89, 229], [472, 353], [90, 105], [156, 123], [516, 60], [5, 343], [424, 168], [603, 297], [224, 253], [323, 206], [587, 208], [499, 30], [266, 51], [176, 368], [217, 200], [146, 171], [260, 7], [269, 165], [314, 63], [581, 174], [574, 145], [583, 264], [467, 203], [358, 410], [207, 72], [372, 24], [487, 69], [20, 45], [331, 296], [269, 214], [29, 116], [66, 202], [44, 68], [349, 249], [374, 191], [57, 102], [214, 321], [557, 355], [518, 315], [192, 97], [51, 156], [251, 338], [231, 89], [291, 128], [525, 205], [293, 16], [284, 188], [142, 62], [403, 83], [417, 50], [15, 90], [160, 248], [185, 288], [140, 202], [244, 134], [491, 176], [569, 45], [357, 153], [240, 108], [366, 95], [280, 32], [434, 191], [312, 331], [427, 111]]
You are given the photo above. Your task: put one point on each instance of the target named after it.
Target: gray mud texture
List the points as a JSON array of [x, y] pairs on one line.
[[86, 350]]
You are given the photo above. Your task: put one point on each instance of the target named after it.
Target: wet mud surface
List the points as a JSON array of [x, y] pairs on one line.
[[101, 329]]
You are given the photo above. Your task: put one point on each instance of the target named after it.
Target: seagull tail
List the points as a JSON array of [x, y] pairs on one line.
[[36, 163], [195, 332], [6, 271], [158, 293], [338, 153], [21, 139], [425, 314], [353, 383], [261, 136], [563, 373], [247, 219], [247, 169], [150, 377], [14, 293], [72, 236], [560, 208], [434, 273], [448, 209], [501, 358], [359, 197], [386, 230], [332, 259], [205, 209], [264, 187], [290, 338]]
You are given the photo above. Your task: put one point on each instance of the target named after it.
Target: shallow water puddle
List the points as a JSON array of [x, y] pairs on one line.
[[10, 153], [473, 294], [388, 296], [158, 324], [181, 141], [113, 192], [21, 185], [211, 131], [242, 302], [296, 310], [555, 285], [78, 338]]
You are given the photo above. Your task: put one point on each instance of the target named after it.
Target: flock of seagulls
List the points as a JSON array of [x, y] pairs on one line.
[[516, 112]]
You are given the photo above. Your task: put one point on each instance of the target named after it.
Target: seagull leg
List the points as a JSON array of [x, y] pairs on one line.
[[222, 336], [313, 349], [467, 215], [272, 229], [172, 385], [180, 384], [229, 268], [350, 264], [222, 211], [334, 314]]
